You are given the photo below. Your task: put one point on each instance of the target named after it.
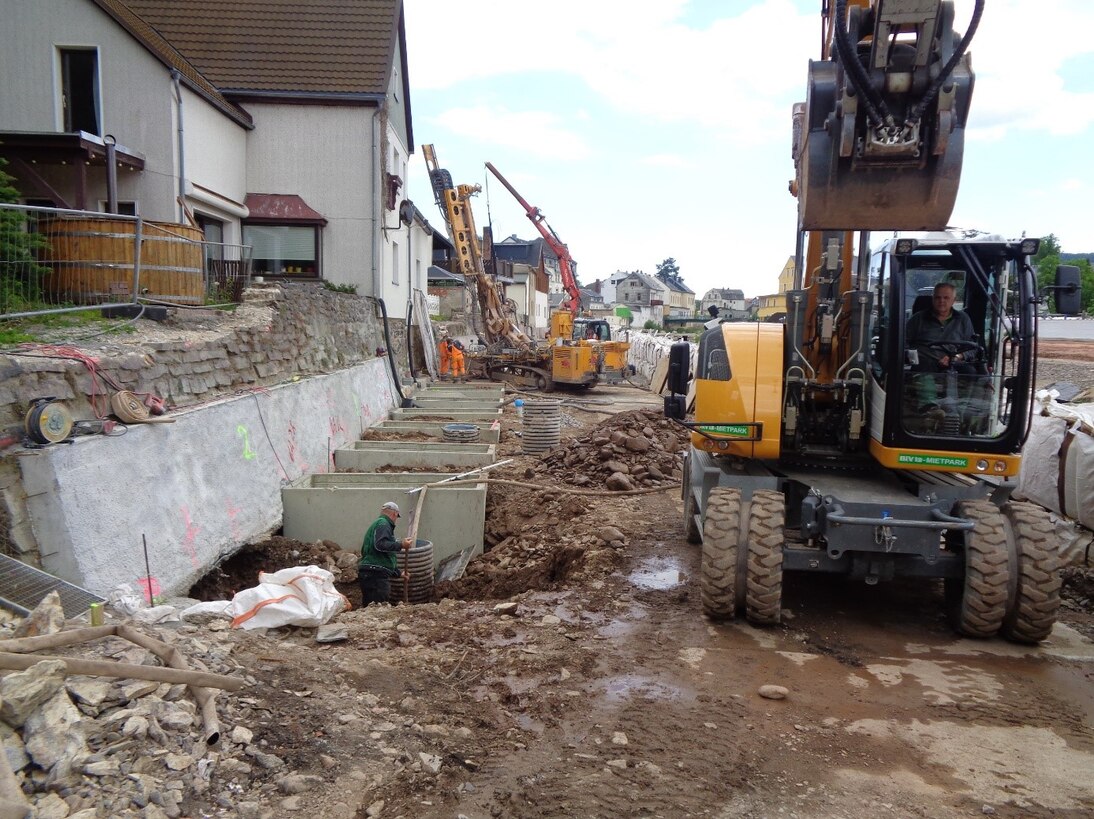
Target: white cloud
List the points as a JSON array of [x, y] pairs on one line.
[[666, 161], [537, 133]]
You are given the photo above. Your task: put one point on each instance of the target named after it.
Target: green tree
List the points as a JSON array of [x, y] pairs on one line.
[[651, 325], [20, 273], [1046, 277], [668, 269]]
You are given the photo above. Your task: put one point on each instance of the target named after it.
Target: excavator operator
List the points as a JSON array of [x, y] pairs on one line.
[[942, 351]]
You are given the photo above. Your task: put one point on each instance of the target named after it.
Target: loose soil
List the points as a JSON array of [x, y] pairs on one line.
[[605, 693]]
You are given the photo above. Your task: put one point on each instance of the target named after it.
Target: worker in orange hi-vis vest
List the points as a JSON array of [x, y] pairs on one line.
[[442, 351], [455, 357]]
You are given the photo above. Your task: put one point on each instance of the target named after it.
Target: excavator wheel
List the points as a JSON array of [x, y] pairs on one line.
[[1032, 611], [721, 534], [764, 589], [691, 510], [977, 604]]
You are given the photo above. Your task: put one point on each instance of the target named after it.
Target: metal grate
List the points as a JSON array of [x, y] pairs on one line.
[[23, 587]]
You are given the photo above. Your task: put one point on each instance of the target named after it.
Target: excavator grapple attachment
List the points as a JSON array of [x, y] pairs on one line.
[[879, 141]]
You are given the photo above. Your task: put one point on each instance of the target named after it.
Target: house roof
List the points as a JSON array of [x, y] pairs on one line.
[[284, 47], [125, 14], [519, 251], [439, 274]]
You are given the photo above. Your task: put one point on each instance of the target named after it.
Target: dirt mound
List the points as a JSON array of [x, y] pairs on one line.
[[628, 451], [240, 571]]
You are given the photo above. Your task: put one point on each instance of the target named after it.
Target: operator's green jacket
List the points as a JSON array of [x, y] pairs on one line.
[[379, 549]]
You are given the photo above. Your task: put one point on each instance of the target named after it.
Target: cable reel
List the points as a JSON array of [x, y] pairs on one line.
[[48, 421]]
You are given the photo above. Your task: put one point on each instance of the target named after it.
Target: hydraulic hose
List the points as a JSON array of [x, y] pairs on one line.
[[917, 111], [871, 100], [404, 401]]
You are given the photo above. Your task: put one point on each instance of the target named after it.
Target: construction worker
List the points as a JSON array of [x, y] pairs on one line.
[[455, 358], [379, 556], [442, 352]]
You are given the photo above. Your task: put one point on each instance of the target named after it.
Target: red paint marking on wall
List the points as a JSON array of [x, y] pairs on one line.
[[233, 524], [150, 587]]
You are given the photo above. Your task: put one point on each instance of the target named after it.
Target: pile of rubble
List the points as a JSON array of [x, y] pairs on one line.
[[86, 746], [631, 450]]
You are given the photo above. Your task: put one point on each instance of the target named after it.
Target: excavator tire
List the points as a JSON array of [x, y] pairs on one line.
[[691, 510], [721, 534], [977, 604], [764, 585], [1032, 611]]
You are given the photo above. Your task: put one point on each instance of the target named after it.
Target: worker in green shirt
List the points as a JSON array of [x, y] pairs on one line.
[[379, 556]]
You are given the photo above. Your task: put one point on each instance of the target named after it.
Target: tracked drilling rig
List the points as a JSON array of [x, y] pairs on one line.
[[820, 445]]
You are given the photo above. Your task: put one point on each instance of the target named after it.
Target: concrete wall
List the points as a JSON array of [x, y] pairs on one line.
[[196, 489]]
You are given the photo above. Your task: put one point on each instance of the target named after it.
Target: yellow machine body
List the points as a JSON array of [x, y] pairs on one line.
[[741, 415]]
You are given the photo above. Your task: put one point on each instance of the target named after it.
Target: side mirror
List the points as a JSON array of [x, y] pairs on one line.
[[1068, 291], [679, 365]]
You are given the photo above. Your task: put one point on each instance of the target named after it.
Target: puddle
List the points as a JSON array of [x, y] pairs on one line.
[[657, 574], [635, 686]]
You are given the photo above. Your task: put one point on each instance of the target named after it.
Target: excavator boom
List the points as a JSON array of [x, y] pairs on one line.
[[566, 264]]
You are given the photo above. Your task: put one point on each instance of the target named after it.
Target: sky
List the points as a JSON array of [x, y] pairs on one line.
[[653, 129]]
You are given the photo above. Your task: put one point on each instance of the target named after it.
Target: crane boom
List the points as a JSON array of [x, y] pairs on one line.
[[566, 264]]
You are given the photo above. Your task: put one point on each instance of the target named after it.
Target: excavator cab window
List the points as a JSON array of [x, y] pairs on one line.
[[942, 353]]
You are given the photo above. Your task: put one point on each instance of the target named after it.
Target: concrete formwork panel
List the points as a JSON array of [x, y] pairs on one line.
[[470, 389], [412, 414], [341, 507], [367, 456], [489, 431]]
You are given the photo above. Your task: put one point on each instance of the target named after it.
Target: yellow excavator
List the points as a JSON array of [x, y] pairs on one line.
[[512, 355], [835, 442]]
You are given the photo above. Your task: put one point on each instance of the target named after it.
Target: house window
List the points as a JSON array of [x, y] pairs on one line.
[[126, 207], [283, 250], [80, 90], [214, 237]]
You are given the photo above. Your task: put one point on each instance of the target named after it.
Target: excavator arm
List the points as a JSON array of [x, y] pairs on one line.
[[566, 264], [454, 202]]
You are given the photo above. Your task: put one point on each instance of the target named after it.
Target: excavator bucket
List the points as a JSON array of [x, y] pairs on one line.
[[878, 144]]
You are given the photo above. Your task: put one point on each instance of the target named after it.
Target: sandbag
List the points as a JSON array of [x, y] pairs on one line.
[[300, 596]]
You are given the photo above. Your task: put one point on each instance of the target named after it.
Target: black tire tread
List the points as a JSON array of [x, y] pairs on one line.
[[721, 532], [983, 601], [1032, 613], [763, 589]]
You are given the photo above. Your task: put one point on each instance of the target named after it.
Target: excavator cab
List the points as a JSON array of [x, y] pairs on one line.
[[953, 358]]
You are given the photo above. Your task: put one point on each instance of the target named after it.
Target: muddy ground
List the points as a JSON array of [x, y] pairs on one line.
[[607, 694]]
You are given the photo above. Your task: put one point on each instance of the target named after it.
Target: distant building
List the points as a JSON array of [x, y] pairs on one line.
[[772, 306], [730, 303], [680, 299]]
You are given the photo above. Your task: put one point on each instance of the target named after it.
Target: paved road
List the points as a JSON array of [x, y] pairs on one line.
[[1071, 329]]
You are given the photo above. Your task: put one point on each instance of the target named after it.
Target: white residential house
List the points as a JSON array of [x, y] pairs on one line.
[[282, 127]]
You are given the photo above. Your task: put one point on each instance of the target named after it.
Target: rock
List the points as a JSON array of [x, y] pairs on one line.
[[241, 735], [47, 618], [617, 763], [506, 608], [430, 762], [636, 444], [107, 767], [551, 620], [375, 809], [609, 533], [292, 803], [22, 692], [331, 633], [12, 745], [773, 692], [88, 690], [50, 806], [618, 482], [54, 733], [298, 783], [619, 738], [140, 688], [616, 466], [268, 761]]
